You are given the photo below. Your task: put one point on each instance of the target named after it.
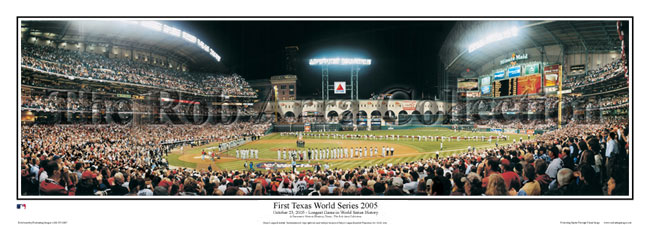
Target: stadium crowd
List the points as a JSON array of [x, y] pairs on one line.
[[100, 149], [536, 124], [577, 160], [608, 71], [609, 102], [127, 160], [515, 104], [96, 103], [98, 67]]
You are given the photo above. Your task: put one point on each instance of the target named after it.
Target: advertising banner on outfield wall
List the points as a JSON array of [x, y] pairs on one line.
[[276, 165], [407, 105], [510, 131], [551, 75], [496, 130], [123, 95]]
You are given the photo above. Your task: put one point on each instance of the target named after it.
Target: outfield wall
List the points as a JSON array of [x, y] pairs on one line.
[[387, 110], [339, 127]]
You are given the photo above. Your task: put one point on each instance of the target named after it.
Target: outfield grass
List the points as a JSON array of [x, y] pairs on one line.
[[173, 160], [426, 149]]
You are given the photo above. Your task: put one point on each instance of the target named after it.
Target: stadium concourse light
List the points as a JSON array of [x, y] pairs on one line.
[[339, 61], [512, 32]]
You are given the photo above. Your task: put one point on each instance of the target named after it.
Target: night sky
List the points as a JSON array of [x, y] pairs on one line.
[[404, 54]]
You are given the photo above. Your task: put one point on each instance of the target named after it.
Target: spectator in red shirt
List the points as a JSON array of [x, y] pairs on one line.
[[51, 185], [508, 175], [492, 167], [543, 178]]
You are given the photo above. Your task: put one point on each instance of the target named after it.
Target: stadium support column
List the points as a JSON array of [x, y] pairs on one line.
[[109, 49], [586, 62], [541, 80], [559, 94], [354, 82], [277, 106], [325, 83]]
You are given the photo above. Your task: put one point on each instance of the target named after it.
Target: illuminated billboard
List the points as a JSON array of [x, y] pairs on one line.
[[531, 69], [499, 75], [514, 71], [486, 85], [529, 85], [339, 61], [551, 75], [468, 84], [339, 87]]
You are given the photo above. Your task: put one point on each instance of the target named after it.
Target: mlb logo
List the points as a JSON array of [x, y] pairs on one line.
[[339, 87], [19, 206]]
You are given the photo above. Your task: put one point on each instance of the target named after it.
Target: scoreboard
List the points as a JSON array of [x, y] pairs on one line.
[[505, 88]]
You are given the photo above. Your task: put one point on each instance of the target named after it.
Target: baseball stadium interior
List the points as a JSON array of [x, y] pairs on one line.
[[138, 108]]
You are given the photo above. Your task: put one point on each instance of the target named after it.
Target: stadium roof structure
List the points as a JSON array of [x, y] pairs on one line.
[[127, 34], [584, 36]]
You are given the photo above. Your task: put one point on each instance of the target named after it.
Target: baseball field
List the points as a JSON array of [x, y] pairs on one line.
[[406, 149]]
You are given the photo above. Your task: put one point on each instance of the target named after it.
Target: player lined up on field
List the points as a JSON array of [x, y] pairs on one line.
[[394, 137], [334, 153], [247, 153]]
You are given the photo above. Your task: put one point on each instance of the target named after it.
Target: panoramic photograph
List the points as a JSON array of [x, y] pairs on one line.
[[133, 108]]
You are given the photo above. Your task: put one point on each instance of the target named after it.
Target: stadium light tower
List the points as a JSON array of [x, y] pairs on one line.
[[354, 63]]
